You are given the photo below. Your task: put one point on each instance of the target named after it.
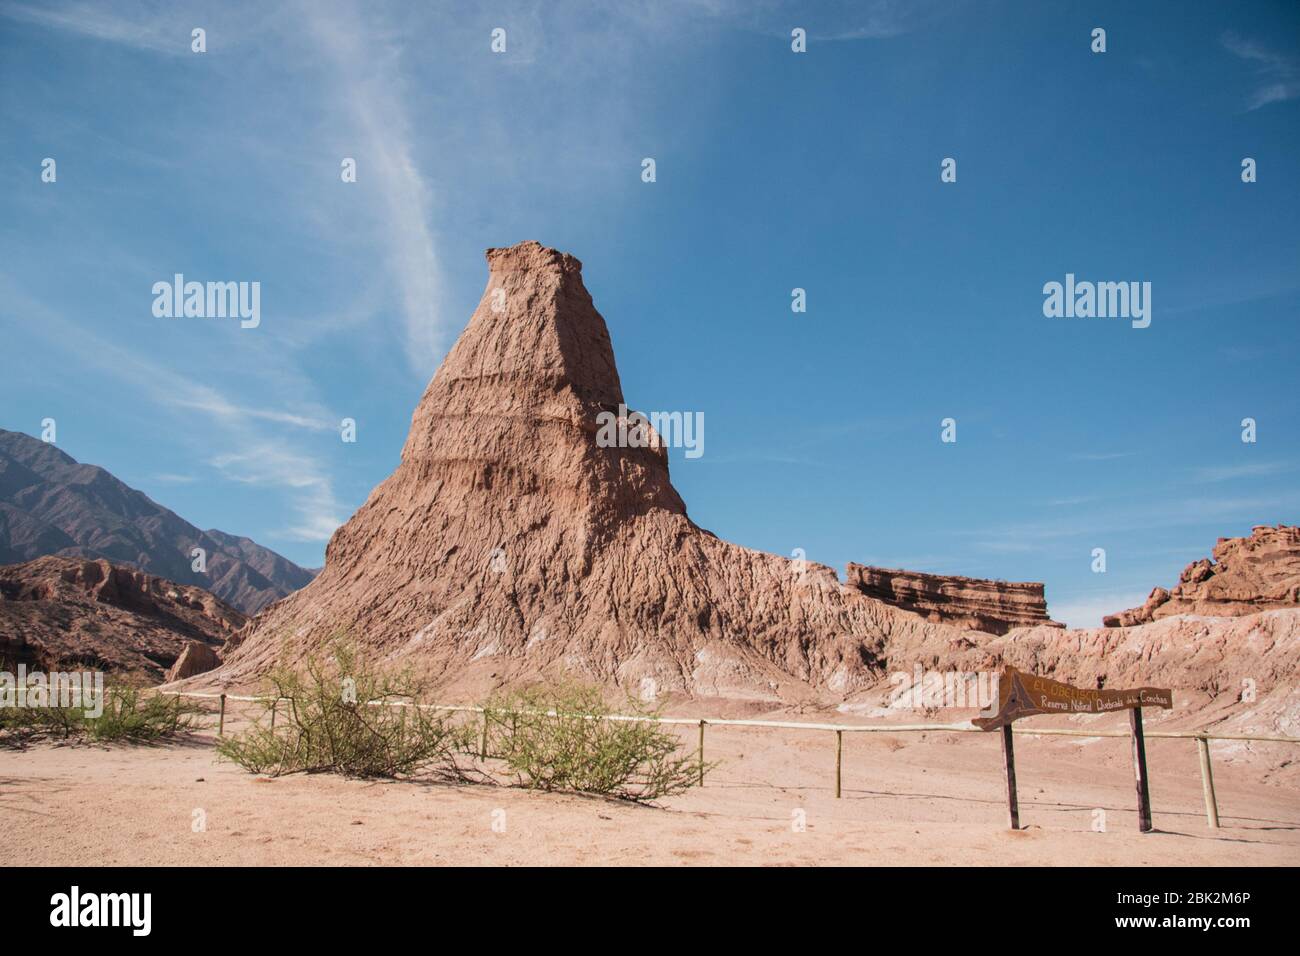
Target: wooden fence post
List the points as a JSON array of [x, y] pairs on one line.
[[482, 746], [221, 720], [839, 760], [701, 752], [1140, 771], [275, 704], [1009, 767], [1207, 783]]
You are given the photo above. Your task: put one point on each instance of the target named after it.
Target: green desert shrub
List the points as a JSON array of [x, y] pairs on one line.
[[129, 714], [559, 737], [135, 715], [334, 714]]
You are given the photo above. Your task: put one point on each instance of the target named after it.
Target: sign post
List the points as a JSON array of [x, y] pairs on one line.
[[1140, 770], [1207, 783], [1023, 695], [1009, 767]]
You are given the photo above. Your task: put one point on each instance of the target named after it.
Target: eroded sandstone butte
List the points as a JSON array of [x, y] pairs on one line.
[[58, 613], [994, 607], [1243, 576], [507, 542], [508, 545]]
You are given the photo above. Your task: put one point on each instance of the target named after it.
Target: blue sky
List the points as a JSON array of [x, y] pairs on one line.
[[775, 170]]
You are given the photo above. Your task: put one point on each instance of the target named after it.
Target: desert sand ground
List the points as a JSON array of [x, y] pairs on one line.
[[908, 799]]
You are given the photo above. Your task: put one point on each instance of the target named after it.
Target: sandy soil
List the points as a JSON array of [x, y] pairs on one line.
[[935, 798]]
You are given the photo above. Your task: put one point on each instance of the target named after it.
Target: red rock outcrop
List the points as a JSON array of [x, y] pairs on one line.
[[196, 658], [1244, 576], [975, 603], [61, 612], [508, 542]]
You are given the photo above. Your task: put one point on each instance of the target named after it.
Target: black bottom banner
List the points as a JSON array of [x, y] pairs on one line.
[[258, 906]]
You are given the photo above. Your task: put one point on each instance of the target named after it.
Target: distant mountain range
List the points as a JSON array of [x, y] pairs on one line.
[[52, 505]]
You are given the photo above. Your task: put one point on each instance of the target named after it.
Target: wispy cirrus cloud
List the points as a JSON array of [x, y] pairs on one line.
[[157, 29], [367, 61], [1056, 535], [251, 453], [1278, 74], [206, 399], [269, 463], [1259, 469], [362, 54], [1101, 455], [827, 21]]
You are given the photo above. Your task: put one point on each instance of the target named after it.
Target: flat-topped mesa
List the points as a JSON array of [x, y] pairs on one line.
[[1243, 576], [979, 604]]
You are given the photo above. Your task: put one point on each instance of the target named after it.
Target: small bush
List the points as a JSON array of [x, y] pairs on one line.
[[332, 717], [555, 738], [129, 715]]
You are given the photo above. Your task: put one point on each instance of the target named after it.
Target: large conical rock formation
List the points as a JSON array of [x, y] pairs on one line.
[[508, 543]]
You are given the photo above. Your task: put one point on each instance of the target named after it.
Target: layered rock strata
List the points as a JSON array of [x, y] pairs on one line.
[[975, 603]]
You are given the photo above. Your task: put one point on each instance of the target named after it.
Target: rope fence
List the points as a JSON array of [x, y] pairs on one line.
[[1202, 737]]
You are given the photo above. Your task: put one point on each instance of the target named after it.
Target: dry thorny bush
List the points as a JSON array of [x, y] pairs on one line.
[[336, 714], [341, 714], [129, 715], [561, 737]]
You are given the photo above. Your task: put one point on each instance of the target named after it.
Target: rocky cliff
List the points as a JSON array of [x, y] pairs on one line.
[[60, 613], [1243, 576], [976, 603]]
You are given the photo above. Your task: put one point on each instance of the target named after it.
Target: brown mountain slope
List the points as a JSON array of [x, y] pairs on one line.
[[51, 504], [60, 613]]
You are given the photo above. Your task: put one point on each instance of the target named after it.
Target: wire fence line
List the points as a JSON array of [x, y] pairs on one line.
[[959, 728], [1202, 737]]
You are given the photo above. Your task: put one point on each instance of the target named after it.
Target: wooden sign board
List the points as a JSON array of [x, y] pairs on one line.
[[1023, 695]]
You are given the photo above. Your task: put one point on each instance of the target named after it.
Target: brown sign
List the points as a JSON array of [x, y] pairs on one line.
[[1023, 695]]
